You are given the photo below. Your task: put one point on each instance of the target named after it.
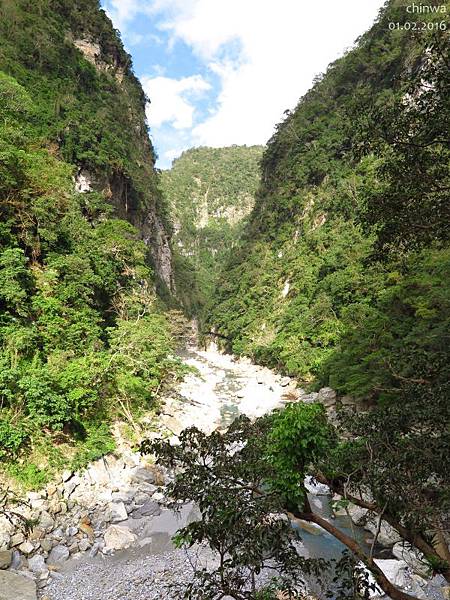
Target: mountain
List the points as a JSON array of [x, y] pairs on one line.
[[89, 107], [84, 239], [340, 273], [324, 255], [211, 191], [341, 280]]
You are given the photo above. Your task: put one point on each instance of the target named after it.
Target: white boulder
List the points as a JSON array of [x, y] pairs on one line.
[[14, 586], [118, 537], [116, 512]]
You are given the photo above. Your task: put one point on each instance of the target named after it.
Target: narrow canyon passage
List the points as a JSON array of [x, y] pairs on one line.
[[163, 163], [222, 389]]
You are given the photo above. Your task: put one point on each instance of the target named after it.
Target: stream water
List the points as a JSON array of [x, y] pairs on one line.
[[211, 397], [225, 388]]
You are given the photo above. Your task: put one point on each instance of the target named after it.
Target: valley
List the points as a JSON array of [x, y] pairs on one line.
[[258, 335]]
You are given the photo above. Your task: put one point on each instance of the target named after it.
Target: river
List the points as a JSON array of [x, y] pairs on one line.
[[221, 388]]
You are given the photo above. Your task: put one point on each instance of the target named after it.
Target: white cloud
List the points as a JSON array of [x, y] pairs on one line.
[[169, 155], [283, 45], [121, 12], [172, 100], [264, 52], [134, 39], [158, 70]]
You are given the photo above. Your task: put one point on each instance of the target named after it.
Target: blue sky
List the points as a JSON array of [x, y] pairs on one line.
[[222, 72]]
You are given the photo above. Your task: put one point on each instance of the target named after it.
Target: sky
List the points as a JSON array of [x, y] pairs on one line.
[[222, 72]]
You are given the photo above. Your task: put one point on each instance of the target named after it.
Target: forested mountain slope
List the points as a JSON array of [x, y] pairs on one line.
[[88, 106], [338, 276], [210, 192], [341, 274], [342, 279], [76, 175]]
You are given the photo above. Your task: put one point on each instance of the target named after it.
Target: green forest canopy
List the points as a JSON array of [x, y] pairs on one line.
[[210, 191], [74, 278]]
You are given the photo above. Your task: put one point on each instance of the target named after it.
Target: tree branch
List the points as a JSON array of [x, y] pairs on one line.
[[414, 538], [388, 588]]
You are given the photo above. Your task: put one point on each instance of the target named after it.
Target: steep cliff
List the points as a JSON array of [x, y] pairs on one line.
[[211, 192], [340, 272], [90, 107], [84, 241]]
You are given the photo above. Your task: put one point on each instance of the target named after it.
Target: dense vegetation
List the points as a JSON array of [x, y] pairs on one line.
[[245, 527], [249, 484], [210, 191], [74, 279], [84, 107], [341, 273], [340, 278]]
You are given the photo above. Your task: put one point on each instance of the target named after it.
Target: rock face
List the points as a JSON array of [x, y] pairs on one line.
[[412, 557], [6, 530], [146, 475], [361, 517], [59, 554], [387, 535], [314, 487], [5, 558], [92, 52], [114, 156], [117, 512], [204, 194], [158, 240], [16, 587], [149, 509], [149, 223], [37, 565], [327, 396]]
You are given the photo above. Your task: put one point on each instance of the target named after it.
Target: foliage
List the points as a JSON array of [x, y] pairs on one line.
[[409, 133], [211, 192], [402, 337], [85, 109], [332, 270], [249, 483], [223, 473], [29, 475], [299, 437], [341, 277], [243, 480], [98, 442], [11, 437], [382, 444], [83, 338]]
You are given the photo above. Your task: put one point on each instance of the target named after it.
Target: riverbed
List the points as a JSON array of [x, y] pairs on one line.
[[219, 388]]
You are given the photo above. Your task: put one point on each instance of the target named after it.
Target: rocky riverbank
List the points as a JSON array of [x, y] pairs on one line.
[[112, 516], [106, 533]]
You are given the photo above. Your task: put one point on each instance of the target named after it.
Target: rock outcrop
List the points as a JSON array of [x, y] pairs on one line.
[[98, 123], [81, 513]]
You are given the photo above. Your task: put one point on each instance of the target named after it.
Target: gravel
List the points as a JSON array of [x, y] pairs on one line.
[[128, 575]]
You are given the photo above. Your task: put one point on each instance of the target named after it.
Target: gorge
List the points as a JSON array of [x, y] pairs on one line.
[[318, 264]]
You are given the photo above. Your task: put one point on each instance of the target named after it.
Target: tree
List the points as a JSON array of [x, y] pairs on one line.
[[241, 478], [395, 463], [224, 474], [74, 283], [407, 130]]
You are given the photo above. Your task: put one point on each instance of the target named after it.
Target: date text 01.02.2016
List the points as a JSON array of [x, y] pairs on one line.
[[419, 26]]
